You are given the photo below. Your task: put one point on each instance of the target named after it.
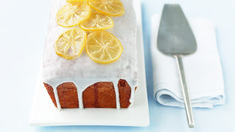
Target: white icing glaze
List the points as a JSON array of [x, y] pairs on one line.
[[56, 98], [84, 72], [115, 83]]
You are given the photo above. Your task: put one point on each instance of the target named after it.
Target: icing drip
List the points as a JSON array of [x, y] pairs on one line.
[[56, 98], [115, 83], [79, 97], [133, 85]]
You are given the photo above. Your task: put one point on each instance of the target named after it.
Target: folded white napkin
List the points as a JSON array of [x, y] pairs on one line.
[[203, 69]]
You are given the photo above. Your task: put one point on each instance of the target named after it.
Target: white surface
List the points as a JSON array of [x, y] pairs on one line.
[[43, 112], [203, 70]]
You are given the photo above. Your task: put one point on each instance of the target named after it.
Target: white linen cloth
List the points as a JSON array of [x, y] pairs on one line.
[[203, 70]]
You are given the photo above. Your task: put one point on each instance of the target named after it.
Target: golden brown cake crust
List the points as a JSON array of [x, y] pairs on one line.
[[98, 95], [51, 93], [68, 95], [124, 93]]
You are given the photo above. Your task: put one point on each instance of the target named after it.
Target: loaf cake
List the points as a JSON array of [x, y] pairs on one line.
[[83, 83]]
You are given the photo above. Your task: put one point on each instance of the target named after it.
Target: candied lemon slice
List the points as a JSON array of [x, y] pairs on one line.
[[103, 47], [73, 13], [71, 43], [97, 21], [108, 7]]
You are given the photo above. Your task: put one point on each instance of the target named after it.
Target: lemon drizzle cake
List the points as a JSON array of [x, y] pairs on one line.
[[108, 82]]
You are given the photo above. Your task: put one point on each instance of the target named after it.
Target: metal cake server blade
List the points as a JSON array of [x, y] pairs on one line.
[[175, 38]]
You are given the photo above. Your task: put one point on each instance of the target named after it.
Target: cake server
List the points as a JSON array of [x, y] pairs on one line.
[[175, 38]]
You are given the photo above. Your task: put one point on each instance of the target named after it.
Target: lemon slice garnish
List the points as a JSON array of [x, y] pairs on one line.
[[71, 43], [72, 14], [108, 7], [103, 47], [97, 21]]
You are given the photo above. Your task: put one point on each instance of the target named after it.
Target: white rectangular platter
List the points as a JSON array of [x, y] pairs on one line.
[[43, 112]]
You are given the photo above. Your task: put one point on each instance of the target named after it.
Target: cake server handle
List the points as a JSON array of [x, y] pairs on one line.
[[185, 91]]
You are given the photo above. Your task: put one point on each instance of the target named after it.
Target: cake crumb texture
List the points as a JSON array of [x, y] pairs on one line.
[[100, 95], [124, 93], [68, 95]]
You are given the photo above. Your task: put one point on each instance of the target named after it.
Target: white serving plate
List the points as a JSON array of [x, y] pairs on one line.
[[43, 112]]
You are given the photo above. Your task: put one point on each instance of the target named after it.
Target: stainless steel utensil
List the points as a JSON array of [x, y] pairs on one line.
[[175, 38]]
